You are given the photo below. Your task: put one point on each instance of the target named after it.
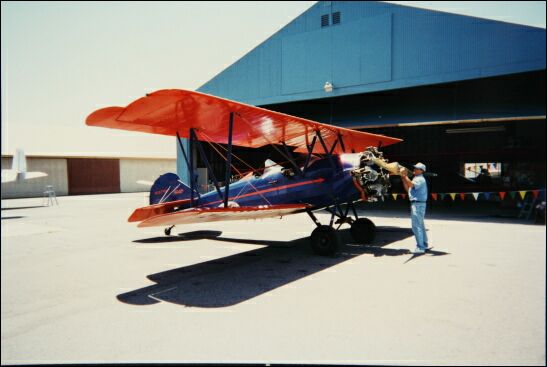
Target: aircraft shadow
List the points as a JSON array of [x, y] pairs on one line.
[[236, 278], [188, 236], [23, 207], [13, 217]]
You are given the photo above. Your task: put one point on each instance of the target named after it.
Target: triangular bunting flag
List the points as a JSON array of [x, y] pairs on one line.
[[434, 196], [394, 196], [452, 195], [522, 194], [502, 195], [475, 195], [512, 194], [442, 196], [535, 193], [403, 196], [486, 195], [462, 195]]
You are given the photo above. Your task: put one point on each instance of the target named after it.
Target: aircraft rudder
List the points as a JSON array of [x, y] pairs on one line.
[[168, 187]]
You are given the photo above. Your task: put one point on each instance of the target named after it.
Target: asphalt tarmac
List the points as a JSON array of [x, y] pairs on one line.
[[79, 284]]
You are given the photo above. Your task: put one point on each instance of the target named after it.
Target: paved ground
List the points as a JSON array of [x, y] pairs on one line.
[[79, 284]]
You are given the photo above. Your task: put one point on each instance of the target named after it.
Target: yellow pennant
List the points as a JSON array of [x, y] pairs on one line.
[[394, 196], [453, 196], [522, 194]]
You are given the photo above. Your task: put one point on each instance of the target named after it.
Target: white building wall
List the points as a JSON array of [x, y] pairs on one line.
[[135, 169], [56, 168]]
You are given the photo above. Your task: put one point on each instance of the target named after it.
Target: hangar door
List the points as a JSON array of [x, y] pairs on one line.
[[93, 176]]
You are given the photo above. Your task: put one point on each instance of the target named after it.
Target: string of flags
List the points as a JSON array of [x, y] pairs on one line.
[[476, 195]]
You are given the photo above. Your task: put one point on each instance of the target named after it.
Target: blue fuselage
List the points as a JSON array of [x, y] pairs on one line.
[[323, 183]]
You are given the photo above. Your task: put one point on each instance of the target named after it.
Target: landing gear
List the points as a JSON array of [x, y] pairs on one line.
[[167, 231], [363, 230], [324, 241]]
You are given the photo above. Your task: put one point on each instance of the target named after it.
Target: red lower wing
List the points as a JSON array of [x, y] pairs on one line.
[[200, 215], [153, 210]]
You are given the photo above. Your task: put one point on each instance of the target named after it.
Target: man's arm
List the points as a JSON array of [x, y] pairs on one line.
[[407, 183]]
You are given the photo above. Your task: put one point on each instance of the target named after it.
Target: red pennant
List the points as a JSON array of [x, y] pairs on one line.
[[403, 196], [502, 194], [434, 196], [535, 193], [462, 195]]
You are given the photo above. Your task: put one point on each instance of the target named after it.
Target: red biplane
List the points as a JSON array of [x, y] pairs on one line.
[[337, 168]]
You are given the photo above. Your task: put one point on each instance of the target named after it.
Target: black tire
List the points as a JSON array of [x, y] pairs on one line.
[[167, 231], [324, 241], [363, 230]]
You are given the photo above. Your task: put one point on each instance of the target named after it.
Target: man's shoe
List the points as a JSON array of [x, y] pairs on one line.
[[418, 250]]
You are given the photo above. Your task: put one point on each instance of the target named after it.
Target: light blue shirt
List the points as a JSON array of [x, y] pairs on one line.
[[419, 191]]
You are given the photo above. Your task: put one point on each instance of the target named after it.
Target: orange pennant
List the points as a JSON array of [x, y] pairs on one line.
[[502, 195], [462, 195], [535, 193], [434, 196]]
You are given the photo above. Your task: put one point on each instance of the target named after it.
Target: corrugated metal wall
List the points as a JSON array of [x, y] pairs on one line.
[[133, 170], [376, 46], [56, 168], [86, 175]]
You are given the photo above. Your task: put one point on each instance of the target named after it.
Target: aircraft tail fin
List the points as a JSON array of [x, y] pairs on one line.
[[168, 187], [19, 163]]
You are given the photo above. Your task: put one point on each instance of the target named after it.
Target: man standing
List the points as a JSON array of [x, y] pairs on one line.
[[417, 194]]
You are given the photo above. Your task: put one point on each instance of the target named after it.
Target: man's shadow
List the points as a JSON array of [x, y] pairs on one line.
[[236, 278]]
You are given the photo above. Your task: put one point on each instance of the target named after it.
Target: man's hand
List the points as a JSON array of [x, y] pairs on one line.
[[402, 171]]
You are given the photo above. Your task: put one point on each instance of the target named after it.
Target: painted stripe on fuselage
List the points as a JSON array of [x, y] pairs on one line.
[[318, 180]]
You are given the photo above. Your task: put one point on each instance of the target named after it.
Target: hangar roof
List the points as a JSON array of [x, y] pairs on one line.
[[362, 46]]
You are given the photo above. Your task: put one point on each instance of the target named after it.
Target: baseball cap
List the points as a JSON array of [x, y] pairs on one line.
[[420, 166]]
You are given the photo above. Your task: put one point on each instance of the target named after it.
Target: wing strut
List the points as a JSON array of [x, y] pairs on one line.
[[310, 151], [189, 164], [192, 173], [183, 151], [327, 151], [194, 137], [291, 159], [228, 160]]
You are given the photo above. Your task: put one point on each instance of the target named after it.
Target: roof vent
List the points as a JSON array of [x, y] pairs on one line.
[[336, 17], [325, 20]]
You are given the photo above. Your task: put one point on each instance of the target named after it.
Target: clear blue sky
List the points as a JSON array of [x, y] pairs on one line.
[[61, 61]]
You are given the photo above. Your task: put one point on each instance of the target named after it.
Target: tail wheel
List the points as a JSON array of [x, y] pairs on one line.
[[324, 240], [167, 231], [363, 230]]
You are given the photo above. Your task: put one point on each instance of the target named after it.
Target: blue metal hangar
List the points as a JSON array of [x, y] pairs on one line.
[[466, 94]]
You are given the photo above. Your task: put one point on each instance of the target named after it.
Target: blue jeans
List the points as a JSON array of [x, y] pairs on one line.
[[417, 214]]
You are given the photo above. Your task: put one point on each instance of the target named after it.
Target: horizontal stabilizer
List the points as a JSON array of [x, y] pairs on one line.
[[8, 175], [29, 175], [200, 215]]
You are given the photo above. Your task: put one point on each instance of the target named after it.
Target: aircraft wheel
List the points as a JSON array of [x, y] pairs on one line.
[[324, 241], [363, 230]]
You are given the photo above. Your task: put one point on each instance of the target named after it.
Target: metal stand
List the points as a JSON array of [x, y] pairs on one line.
[[50, 196]]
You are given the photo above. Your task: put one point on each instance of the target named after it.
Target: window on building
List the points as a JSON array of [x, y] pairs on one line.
[[325, 20], [336, 17]]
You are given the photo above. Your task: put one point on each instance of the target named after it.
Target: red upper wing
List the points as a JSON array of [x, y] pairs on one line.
[[172, 110]]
